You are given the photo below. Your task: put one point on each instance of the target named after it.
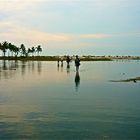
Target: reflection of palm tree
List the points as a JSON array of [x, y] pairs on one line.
[[33, 66], [23, 67], [77, 80], [4, 66], [39, 67]]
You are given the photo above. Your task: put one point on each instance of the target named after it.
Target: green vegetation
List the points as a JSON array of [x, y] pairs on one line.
[[11, 51]]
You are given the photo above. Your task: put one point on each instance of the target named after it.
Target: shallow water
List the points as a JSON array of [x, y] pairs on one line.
[[39, 100]]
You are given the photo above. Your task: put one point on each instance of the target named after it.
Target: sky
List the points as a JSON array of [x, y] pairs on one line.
[[70, 27]]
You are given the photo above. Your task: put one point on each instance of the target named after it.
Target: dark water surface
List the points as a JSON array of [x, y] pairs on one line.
[[39, 100]]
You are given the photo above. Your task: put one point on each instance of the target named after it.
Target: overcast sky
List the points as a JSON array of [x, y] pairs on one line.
[[62, 27]]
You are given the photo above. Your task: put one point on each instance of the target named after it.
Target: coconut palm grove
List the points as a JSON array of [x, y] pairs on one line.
[[10, 50]]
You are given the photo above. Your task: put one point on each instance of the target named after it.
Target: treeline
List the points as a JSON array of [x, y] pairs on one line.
[[9, 49]]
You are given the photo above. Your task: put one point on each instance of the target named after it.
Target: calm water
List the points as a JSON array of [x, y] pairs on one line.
[[39, 100]]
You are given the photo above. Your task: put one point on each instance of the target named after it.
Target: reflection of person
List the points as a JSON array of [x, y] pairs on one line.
[[77, 63], [77, 80], [58, 62], [68, 68], [61, 61]]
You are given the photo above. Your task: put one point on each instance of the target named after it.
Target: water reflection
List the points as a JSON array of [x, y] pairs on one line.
[[42, 104], [77, 80], [10, 68], [23, 66], [39, 67], [57, 66], [7, 69], [61, 67], [68, 68], [4, 66]]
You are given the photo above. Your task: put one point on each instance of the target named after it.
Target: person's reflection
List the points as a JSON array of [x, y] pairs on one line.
[[77, 80], [68, 68], [58, 66], [61, 67]]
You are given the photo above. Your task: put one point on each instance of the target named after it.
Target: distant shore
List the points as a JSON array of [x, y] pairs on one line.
[[82, 58]]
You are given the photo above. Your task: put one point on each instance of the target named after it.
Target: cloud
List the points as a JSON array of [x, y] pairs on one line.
[[13, 5], [17, 33], [95, 36], [128, 34]]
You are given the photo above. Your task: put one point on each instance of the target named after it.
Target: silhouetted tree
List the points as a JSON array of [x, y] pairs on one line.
[[4, 47], [33, 51], [10, 48], [0, 46], [23, 50], [16, 50], [38, 49], [29, 51]]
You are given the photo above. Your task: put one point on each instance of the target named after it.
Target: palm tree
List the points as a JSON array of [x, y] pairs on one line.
[[10, 48], [16, 50], [33, 51], [23, 50], [4, 47], [39, 49], [29, 51], [0, 46]]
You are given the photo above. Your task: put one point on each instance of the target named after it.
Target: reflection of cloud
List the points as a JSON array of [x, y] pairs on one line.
[[14, 113]]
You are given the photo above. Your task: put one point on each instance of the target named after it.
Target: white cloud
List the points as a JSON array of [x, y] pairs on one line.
[[13, 5], [95, 36], [20, 34]]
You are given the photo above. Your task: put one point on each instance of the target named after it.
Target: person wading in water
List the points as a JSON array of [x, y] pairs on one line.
[[77, 63]]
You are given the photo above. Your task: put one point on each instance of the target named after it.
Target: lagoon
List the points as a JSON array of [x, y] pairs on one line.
[[39, 100]]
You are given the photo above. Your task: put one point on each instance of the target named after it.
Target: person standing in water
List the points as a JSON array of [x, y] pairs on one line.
[[77, 63]]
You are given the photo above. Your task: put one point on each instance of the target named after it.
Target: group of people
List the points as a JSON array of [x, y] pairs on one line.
[[68, 60]]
